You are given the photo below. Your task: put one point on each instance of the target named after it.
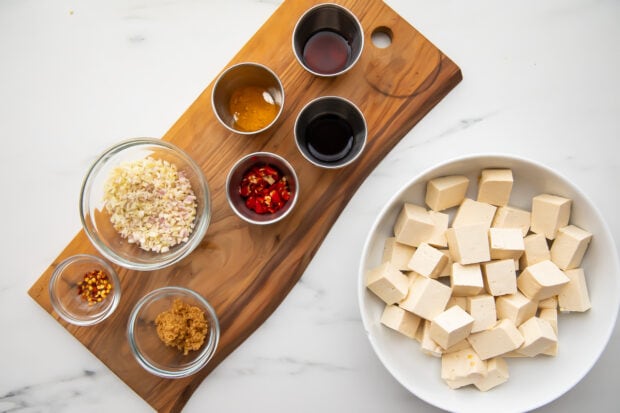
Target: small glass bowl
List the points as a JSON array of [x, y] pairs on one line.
[[150, 352], [96, 221], [64, 295], [235, 176]]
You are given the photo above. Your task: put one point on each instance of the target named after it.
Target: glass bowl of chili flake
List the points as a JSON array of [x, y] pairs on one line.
[[84, 290], [262, 188]]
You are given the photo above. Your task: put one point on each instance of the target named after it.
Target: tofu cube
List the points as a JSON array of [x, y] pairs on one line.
[[495, 186], [574, 296], [446, 192], [460, 301], [447, 269], [414, 225], [396, 253], [538, 336], [569, 247], [472, 212], [387, 283], [549, 213], [551, 302], [506, 243], [438, 237], [427, 261], [469, 244], [482, 309], [466, 280], [515, 307], [551, 315], [500, 277], [511, 217], [461, 368], [426, 298], [502, 338], [497, 373], [451, 326], [400, 320], [536, 250], [542, 280], [427, 344]]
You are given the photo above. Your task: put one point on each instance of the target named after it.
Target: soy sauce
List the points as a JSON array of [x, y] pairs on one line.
[[329, 138], [326, 52]]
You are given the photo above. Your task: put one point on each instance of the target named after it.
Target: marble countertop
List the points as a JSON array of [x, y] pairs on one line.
[[540, 81]]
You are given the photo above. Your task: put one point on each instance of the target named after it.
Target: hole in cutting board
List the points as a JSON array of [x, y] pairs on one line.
[[381, 37]]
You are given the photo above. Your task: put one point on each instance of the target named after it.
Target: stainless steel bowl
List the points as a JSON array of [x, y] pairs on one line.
[[236, 174]]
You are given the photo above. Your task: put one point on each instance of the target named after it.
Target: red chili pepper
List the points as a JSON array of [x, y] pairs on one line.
[[264, 189]]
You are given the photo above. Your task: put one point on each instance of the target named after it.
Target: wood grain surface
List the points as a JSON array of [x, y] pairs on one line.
[[245, 271]]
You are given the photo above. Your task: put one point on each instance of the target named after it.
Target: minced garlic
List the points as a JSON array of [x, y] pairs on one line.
[[150, 203]]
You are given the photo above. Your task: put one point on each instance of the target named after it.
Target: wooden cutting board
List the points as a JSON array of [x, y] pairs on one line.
[[246, 271]]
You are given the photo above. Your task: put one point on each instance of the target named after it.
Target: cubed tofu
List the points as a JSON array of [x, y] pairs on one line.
[[551, 302], [398, 254], [472, 212], [461, 368], [536, 250], [551, 315], [506, 243], [414, 225], [447, 269], [460, 301], [515, 307], [469, 244], [387, 283], [569, 247], [502, 338], [542, 280], [427, 344], [451, 326], [427, 261], [500, 277], [426, 298], [495, 186], [574, 296], [446, 192], [400, 320], [538, 336], [511, 217], [482, 309], [549, 213], [497, 373], [466, 280], [438, 237]]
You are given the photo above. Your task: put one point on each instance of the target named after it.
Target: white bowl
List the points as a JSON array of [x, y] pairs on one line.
[[533, 382]]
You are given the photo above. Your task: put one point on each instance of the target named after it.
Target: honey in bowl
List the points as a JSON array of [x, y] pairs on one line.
[[253, 108]]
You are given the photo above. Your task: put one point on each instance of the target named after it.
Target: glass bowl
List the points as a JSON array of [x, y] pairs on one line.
[[151, 352], [96, 219], [235, 177], [65, 294]]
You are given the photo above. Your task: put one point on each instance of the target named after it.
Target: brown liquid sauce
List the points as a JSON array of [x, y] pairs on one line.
[[329, 138], [327, 52]]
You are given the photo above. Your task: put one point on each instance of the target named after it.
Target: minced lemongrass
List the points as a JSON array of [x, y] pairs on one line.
[[150, 203]]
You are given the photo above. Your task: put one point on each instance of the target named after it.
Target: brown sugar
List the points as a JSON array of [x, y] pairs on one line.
[[182, 326]]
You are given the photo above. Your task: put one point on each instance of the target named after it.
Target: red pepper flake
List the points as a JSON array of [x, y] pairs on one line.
[[264, 189], [95, 287]]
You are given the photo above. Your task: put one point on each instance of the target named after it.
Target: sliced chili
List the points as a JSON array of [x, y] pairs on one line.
[[264, 189]]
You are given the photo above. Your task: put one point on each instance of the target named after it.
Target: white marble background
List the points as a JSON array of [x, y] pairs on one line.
[[541, 81]]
